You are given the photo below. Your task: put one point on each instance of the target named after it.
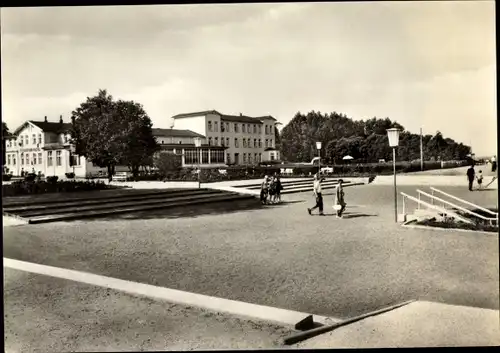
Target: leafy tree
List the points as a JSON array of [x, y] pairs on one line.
[[167, 163], [5, 134], [112, 133]]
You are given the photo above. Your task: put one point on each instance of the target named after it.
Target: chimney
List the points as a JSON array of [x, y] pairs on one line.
[[60, 119], [45, 118]]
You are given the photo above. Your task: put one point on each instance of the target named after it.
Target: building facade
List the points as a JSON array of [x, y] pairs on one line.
[[244, 138], [43, 146]]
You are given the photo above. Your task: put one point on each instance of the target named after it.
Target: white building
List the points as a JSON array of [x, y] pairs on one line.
[[245, 138]]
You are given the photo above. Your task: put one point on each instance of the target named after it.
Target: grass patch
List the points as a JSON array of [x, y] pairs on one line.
[[452, 224]]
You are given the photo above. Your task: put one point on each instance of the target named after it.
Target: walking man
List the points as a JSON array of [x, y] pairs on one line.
[[471, 173], [339, 199], [317, 193], [493, 164]]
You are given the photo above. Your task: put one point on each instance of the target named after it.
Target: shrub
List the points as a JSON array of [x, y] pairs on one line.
[[6, 177], [70, 175], [30, 177], [25, 188], [52, 179]]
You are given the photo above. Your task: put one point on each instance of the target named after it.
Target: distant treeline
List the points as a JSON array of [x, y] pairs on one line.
[[366, 141]]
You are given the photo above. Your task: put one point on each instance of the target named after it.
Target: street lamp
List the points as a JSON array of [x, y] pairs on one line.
[[197, 145], [393, 135], [318, 147]]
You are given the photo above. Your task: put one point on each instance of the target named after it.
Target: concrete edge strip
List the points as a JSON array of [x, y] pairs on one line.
[[414, 226], [301, 336], [260, 312]]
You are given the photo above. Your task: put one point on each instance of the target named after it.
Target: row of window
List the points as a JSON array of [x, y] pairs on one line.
[[247, 158], [36, 158], [192, 156], [245, 128], [247, 143], [25, 141]]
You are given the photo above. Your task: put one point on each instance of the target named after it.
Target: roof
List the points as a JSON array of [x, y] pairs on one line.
[[240, 118], [188, 115], [175, 133], [191, 145], [236, 118], [270, 149], [45, 126]]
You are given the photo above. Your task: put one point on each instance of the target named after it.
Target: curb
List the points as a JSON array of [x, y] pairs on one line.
[[446, 229]]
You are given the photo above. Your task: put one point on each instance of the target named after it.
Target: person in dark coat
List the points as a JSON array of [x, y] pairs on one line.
[[471, 173]]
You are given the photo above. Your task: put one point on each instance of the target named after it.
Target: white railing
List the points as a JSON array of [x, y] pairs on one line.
[[444, 202], [437, 208], [465, 202]]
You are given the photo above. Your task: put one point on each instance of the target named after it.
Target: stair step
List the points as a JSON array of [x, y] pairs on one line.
[[91, 214], [104, 206], [70, 203], [302, 184], [80, 196]]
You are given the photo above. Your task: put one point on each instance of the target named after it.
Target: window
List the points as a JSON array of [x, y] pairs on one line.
[[271, 143], [216, 157], [75, 159], [8, 159], [222, 139], [267, 143], [244, 142], [40, 158], [8, 143], [260, 143], [216, 141], [227, 127], [260, 157], [235, 127], [204, 156], [227, 141], [254, 128], [33, 138], [22, 159], [265, 129], [228, 156], [14, 143], [272, 156], [236, 144], [244, 157], [34, 158], [248, 128], [58, 158], [210, 141], [216, 126], [14, 160], [242, 127], [249, 158], [209, 125], [191, 156], [40, 139], [26, 140], [255, 143], [255, 158], [27, 159], [222, 127], [260, 129]]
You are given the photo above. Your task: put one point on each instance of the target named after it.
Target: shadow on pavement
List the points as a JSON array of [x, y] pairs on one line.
[[348, 215], [216, 208]]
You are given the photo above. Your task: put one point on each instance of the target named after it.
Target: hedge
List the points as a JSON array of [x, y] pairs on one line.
[[18, 188]]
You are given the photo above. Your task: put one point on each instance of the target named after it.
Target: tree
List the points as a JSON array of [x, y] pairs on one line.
[[5, 135], [110, 133], [167, 163]]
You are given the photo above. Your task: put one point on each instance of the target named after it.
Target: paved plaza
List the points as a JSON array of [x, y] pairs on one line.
[[277, 256]]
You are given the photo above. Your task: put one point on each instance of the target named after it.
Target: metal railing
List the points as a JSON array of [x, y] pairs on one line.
[[437, 208], [465, 202], [444, 203]]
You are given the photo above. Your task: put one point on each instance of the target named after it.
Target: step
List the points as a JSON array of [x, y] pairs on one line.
[[310, 189], [92, 214], [39, 199], [28, 214], [139, 197], [286, 183]]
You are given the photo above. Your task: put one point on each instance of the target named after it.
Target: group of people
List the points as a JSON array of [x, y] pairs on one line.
[[270, 190], [339, 204], [471, 175]]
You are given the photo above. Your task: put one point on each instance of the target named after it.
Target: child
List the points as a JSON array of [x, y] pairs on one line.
[[479, 179]]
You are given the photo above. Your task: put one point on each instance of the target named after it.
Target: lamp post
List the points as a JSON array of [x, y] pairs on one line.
[[318, 147], [197, 145], [393, 135]]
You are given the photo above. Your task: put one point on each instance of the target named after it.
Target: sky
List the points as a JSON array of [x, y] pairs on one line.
[[428, 65]]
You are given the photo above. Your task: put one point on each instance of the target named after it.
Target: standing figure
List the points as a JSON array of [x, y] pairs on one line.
[[493, 164], [279, 187], [479, 179], [470, 176], [317, 193], [272, 190], [339, 199], [264, 188]]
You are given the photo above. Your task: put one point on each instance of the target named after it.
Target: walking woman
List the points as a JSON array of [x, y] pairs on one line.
[[279, 187], [317, 193], [264, 189], [339, 203]]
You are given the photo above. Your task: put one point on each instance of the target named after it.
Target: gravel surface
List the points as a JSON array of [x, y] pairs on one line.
[[44, 314], [279, 255]]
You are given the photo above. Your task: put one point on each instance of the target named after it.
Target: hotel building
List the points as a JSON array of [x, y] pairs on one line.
[[247, 140]]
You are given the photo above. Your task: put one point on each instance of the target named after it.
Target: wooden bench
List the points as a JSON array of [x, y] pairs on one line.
[[120, 176]]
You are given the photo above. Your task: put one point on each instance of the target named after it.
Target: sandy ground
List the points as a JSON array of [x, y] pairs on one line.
[[44, 314]]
